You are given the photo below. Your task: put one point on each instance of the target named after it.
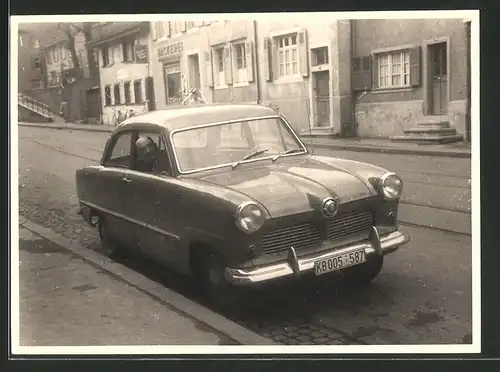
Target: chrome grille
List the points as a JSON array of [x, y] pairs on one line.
[[350, 223], [298, 236]]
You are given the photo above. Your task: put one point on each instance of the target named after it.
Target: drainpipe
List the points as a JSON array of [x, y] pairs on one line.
[[256, 56], [354, 126], [468, 82]]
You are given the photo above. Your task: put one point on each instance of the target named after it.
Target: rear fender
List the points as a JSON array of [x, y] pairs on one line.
[[88, 213]]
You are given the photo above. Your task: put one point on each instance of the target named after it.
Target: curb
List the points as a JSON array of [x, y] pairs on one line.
[[90, 128], [173, 299], [392, 150]]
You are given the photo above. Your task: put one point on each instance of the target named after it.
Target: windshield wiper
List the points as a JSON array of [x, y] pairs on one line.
[[249, 156], [289, 151]]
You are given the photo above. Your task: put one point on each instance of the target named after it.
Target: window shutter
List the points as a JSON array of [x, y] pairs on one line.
[[375, 82], [121, 52], [101, 57], [275, 66], [356, 74], [154, 33], [267, 59], [366, 68], [183, 26], [303, 60], [228, 66], [415, 66], [249, 60], [209, 73]]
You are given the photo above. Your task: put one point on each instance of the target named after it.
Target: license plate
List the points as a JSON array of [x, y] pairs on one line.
[[339, 261]]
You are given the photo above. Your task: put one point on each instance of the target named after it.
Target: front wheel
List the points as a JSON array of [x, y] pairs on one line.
[[109, 244], [365, 273], [216, 290]]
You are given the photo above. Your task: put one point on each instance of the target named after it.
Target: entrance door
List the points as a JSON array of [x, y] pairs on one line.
[[94, 103], [194, 71], [439, 79], [322, 96]]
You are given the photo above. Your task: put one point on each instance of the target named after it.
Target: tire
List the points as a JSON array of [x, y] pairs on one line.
[[364, 274], [215, 289], [109, 244]]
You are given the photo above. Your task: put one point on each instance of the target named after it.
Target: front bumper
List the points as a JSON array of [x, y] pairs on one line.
[[296, 266]]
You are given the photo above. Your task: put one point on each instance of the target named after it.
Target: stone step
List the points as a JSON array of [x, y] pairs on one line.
[[318, 132], [430, 131], [433, 125], [430, 139], [432, 119]]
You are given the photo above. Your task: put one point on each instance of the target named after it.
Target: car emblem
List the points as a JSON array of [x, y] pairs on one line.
[[330, 207]]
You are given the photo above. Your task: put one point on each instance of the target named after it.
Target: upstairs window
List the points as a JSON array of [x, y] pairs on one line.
[[126, 88], [105, 56], [116, 92], [128, 50], [138, 91], [107, 95]]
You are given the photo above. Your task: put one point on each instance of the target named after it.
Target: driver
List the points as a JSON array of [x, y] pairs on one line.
[[146, 151]]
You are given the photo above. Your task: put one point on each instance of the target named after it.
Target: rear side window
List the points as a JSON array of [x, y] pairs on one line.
[[120, 154]]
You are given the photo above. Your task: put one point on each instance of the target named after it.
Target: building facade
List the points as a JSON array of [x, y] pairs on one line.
[[407, 71], [126, 84], [30, 65]]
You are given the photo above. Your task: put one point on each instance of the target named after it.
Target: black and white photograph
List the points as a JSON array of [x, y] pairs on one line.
[[261, 183]]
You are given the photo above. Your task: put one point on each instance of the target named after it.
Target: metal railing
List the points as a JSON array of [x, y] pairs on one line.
[[34, 105]]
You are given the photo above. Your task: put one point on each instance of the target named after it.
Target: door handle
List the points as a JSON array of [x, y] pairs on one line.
[[125, 179]]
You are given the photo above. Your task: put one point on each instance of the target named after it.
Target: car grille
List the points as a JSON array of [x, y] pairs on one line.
[[307, 234], [349, 224], [298, 236]]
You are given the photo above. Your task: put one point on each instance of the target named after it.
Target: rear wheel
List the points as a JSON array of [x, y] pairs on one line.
[[365, 273], [109, 243]]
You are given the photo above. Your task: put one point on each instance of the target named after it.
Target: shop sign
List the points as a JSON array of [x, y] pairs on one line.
[[170, 49]]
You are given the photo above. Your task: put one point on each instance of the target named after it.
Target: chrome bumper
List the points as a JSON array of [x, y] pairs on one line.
[[296, 266]]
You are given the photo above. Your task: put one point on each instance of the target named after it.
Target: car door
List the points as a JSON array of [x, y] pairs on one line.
[[154, 202], [113, 187]]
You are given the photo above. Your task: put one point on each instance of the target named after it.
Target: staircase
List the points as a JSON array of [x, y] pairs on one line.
[[31, 110], [431, 129]]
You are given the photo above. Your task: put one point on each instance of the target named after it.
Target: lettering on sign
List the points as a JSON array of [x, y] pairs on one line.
[[170, 49]]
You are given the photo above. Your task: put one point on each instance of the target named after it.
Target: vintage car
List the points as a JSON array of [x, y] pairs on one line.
[[230, 194]]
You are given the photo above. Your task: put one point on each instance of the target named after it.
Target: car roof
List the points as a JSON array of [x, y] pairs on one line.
[[185, 116]]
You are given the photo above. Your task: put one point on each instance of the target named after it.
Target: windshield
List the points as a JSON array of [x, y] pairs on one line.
[[234, 143]]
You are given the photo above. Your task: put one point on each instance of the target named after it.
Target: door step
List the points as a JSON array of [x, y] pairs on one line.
[[429, 139]]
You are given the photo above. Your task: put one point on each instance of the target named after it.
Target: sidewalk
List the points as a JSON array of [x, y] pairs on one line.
[[67, 299], [456, 150]]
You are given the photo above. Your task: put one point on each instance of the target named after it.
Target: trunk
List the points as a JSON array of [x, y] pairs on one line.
[[92, 63]]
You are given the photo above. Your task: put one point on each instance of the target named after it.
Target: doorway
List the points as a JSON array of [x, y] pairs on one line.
[[321, 91], [194, 71], [438, 78]]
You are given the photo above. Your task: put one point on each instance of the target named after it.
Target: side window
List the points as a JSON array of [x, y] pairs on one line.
[[120, 153], [156, 159]]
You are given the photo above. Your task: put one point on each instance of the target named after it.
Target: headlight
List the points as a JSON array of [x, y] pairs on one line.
[[249, 217], [391, 186]]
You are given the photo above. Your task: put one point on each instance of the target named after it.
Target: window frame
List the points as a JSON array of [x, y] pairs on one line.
[[404, 54], [111, 147], [219, 71], [240, 75], [107, 96], [128, 42], [291, 47], [106, 60], [165, 79], [115, 86], [135, 84], [127, 96]]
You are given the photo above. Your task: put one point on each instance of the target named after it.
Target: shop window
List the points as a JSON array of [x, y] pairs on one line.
[[137, 91], [128, 51], [126, 91], [288, 55], [319, 56], [116, 91], [173, 83], [219, 66], [107, 95], [393, 69]]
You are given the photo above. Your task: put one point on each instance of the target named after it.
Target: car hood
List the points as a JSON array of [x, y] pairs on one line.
[[293, 187]]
